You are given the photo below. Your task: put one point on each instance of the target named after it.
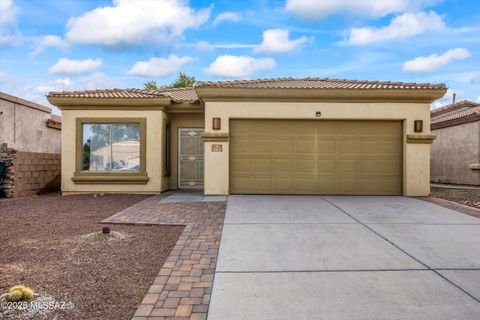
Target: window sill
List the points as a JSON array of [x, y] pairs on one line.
[[110, 179]]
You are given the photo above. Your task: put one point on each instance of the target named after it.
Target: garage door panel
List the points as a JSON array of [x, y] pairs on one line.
[[283, 146], [346, 166], [262, 165], [304, 184], [347, 145], [305, 165], [325, 165], [284, 184], [325, 185], [316, 157], [242, 145], [304, 144], [241, 165], [262, 146], [326, 145], [283, 166]]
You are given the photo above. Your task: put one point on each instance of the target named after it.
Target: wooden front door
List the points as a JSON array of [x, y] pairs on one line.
[[191, 158]]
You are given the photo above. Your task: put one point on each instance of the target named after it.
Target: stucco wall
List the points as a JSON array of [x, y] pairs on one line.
[[24, 128], [416, 173], [453, 151], [181, 120], [154, 151]]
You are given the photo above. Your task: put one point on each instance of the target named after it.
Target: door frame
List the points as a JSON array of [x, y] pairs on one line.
[[179, 169]]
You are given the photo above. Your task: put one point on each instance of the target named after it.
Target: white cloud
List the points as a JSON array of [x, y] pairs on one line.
[[402, 26], [276, 41], [435, 61], [159, 67], [130, 22], [226, 16], [228, 66], [319, 9], [8, 23], [48, 41], [67, 66]]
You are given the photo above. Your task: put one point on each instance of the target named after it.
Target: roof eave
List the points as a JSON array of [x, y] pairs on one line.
[[342, 95], [455, 122], [66, 103]]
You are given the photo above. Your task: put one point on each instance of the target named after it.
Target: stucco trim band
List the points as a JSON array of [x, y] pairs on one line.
[[474, 166], [420, 138], [215, 136]]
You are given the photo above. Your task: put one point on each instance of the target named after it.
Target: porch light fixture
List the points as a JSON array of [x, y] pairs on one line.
[[216, 124], [418, 125]]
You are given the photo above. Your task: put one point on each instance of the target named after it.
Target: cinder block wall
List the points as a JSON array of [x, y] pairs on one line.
[[30, 173]]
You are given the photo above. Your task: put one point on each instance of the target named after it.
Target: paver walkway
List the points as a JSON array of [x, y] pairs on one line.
[[183, 286], [335, 258]]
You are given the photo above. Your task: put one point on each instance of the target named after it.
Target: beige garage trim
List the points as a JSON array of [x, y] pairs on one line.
[[316, 157]]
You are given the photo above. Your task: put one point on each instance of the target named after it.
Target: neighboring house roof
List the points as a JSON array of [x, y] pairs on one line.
[[454, 114], [23, 102], [108, 93], [319, 83], [55, 122]]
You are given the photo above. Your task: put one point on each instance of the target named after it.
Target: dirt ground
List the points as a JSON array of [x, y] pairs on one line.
[[54, 245], [469, 197]]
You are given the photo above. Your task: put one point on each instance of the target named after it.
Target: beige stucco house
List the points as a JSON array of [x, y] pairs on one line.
[[267, 136], [455, 154]]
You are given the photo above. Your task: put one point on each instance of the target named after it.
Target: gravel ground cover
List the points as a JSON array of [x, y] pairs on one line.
[[469, 197], [54, 245]]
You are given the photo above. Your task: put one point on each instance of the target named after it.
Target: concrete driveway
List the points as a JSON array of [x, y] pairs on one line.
[[312, 257]]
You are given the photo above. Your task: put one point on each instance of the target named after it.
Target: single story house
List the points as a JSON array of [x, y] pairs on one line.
[[266, 136], [455, 154], [30, 147]]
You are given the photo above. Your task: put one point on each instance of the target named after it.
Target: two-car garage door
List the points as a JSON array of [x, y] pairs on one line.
[[316, 157]]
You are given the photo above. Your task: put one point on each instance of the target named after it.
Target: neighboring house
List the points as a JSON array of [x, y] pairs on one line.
[[455, 154], [30, 147], [267, 136]]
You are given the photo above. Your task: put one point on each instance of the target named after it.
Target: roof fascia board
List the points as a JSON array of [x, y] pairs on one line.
[[64, 103], [277, 94]]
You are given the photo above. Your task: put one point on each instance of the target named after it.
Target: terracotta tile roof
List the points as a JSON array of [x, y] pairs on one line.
[[55, 118], [108, 93], [319, 83], [451, 107], [181, 94], [458, 115]]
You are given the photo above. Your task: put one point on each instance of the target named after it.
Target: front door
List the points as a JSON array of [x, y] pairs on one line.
[[191, 158]]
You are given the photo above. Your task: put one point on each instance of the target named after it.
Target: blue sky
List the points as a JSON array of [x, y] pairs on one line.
[[76, 45]]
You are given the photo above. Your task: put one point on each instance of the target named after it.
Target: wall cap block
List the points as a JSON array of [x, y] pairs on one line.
[[420, 138], [215, 136]]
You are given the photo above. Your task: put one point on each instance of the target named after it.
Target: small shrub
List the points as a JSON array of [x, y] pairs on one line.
[[106, 229], [17, 293]]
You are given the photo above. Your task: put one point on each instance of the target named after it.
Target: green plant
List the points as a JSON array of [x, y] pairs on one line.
[[182, 81], [17, 293]]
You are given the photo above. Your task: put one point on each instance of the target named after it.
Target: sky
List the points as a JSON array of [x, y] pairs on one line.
[[59, 45]]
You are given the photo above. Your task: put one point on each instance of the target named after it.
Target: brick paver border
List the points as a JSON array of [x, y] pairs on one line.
[[183, 287]]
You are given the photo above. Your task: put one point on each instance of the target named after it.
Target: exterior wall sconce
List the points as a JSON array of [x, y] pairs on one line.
[[418, 126], [217, 124]]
